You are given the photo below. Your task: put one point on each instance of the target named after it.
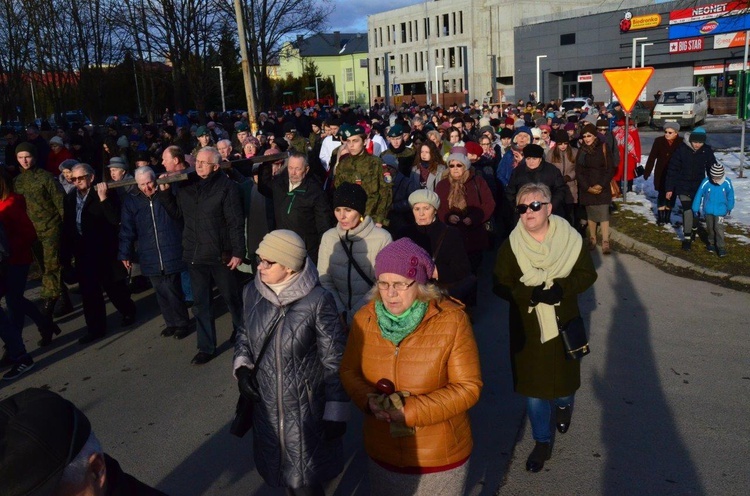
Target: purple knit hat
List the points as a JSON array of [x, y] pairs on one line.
[[405, 258]]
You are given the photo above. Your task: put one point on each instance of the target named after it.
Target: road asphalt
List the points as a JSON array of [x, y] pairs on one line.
[[661, 410]]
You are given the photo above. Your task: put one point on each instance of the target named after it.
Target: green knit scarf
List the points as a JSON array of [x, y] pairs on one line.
[[395, 328]]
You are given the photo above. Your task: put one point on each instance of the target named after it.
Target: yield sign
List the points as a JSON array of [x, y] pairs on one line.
[[627, 84]]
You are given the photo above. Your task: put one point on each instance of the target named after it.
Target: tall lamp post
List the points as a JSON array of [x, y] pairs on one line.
[[437, 96], [538, 59], [317, 92], [33, 97], [635, 41], [221, 84], [643, 53]]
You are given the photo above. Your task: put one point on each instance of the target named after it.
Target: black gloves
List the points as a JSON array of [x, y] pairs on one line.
[[333, 430], [247, 384], [549, 296]]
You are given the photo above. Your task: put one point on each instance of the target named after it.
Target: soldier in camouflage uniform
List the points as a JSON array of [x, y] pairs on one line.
[[398, 149], [44, 205], [359, 167], [204, 139], [296, 142]]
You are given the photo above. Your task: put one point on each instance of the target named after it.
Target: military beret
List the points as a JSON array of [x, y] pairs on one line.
[[395, 131], [242, 128], [347, 131]]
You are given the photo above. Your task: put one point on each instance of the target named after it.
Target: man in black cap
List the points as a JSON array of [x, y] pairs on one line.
[[48, 448], [295, 141]]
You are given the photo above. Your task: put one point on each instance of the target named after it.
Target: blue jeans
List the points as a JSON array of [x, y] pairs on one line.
[[187, 288], [202, 278], [11, 323], [540, 415]]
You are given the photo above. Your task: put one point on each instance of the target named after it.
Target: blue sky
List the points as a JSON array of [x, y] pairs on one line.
[[351, 16]]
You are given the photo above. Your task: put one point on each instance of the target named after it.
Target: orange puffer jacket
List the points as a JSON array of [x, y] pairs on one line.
[[438, 364]]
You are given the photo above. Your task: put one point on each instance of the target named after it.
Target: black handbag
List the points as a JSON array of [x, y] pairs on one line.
[[243, 412], [573, 334]]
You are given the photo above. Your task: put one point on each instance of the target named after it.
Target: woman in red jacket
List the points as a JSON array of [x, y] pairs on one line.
[[18, 234]]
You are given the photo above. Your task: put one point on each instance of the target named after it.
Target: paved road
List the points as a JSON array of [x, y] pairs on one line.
[[662, 410]]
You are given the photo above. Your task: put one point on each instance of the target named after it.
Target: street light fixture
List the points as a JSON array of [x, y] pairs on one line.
[[437, 97], [635, 41], [317, 92], [538, 59], [221, 84]]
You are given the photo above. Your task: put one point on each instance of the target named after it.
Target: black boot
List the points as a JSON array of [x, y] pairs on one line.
[[66, 306], [694, 234], [660, 217], [48, 307], [48, 332], [668, 217], [562, 418], [541, 453]]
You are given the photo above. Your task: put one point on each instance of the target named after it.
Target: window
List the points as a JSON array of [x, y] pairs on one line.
[[349, 75], [452, 57], [421, 61], [437, 26], [375, 38], [461, 22], [454, 23], [446, 23], [416, 30], [426, 27], [350, 97], [388, 32], [403, 32], [377, 66], [411, 32], [407, 62], [568, 39]]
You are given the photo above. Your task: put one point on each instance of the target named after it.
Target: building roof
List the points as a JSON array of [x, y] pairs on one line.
[[331, 44]]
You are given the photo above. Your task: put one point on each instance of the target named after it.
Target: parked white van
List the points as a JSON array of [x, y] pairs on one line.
[[687, 105]]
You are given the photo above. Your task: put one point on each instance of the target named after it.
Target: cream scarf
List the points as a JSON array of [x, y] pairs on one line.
[[553, 258]]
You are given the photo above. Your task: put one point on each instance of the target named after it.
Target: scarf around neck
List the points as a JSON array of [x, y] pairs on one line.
[[457, 193], [395, 328], [543, 262]]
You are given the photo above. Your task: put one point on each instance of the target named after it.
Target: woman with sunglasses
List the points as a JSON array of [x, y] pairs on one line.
[[595, 167], [658, 160], [466, 202], [299, 405], [541, 269], [412, 366], [346, 258]]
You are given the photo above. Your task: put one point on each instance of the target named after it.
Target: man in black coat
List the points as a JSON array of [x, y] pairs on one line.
[[534, 169], [91, 219], [213, 243], [299, 202]]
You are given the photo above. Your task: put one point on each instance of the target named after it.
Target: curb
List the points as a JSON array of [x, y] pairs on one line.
[[739, 282]]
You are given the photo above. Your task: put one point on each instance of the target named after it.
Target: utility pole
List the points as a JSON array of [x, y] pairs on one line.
[[245, 67], [221, 84]]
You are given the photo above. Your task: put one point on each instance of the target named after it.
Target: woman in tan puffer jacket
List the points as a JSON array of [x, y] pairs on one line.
[[411, 336]]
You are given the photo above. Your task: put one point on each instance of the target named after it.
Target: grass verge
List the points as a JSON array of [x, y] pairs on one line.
[[635, 225]]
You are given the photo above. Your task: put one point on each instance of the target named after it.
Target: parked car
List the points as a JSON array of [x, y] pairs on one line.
[[687, 105], [70, 118], [124, 120], [640, 113], [578, 105], [17, 126]]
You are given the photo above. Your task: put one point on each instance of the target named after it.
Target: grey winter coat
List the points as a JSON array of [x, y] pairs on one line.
[[298, 379]]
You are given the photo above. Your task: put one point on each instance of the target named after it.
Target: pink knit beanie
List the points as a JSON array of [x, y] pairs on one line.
[[405, 258]]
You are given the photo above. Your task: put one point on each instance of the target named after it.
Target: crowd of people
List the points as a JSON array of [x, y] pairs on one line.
[[358, 237]]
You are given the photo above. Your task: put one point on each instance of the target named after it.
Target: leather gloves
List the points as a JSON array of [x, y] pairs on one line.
[[549, 296], [247, 384], [333, 430]]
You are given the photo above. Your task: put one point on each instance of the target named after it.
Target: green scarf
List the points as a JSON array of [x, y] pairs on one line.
[[395, 328]]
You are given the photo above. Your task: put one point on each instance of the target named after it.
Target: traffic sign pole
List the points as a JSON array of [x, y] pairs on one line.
[[624, 186]]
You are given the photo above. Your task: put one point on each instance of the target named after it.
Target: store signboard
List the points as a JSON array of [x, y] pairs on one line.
[[717, 18], [702, 70], [630, 23], [731, 40], [706, 12], [687, 45], [585, 77]]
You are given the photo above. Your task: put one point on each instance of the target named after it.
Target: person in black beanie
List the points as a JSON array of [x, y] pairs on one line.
[[49, 448], [534, 169]]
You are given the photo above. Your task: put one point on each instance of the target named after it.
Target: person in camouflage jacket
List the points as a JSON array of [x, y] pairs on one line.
[[359, 167], [44, 205]]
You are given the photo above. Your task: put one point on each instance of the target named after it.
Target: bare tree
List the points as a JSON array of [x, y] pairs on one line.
[[14, 57], [267, 24]]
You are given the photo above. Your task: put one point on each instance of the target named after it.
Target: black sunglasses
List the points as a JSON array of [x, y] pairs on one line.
[[536, 206]]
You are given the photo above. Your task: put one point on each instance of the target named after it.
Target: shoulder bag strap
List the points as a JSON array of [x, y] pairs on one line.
[[264, 347], [439, 244], [355, 264]]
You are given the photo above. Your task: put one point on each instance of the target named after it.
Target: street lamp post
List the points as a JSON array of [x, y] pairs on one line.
[[437, 97], [33, 97], [221, 84], [635, 41], [643, 53], [538, 59], [317, 92]]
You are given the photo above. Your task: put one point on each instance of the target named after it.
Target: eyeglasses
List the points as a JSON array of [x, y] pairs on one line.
[[260, 261], [453, 166], [75, 179], [536, 206], [545, 132], [398, 286], [669, 132], [484, 144], [203, 162]]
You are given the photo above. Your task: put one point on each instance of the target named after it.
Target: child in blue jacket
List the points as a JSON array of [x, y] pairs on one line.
[[717, 194]]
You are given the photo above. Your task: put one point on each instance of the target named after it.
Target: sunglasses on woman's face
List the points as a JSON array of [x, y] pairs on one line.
[[536, 206], [453, 166]]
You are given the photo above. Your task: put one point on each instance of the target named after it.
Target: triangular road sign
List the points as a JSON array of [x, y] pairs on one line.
[[627, 84]]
